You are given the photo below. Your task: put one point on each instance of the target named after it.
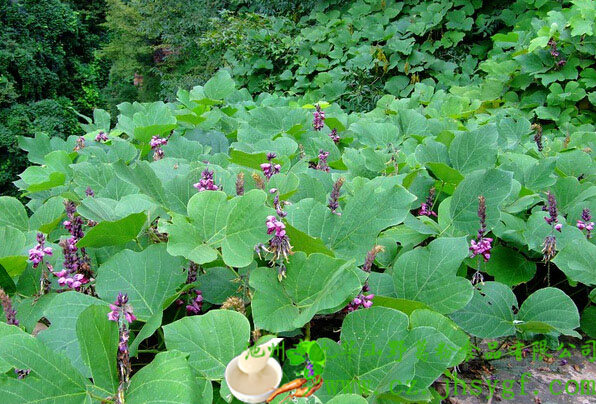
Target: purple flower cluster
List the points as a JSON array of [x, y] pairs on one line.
[[554, 52], [310, 368], [334, 197], [76, 271], [482, 245], [334, 136], [37, 253], [196, 303], [122, 313], [101, 137], [322, 164], [89, 192], [277, 226], [586, 222], [318, 121], [552, 217], [427, 205], [206, 182], [9, 311], [362, 300], [121, 309], [156, 143], [279, 244], [270, 169]]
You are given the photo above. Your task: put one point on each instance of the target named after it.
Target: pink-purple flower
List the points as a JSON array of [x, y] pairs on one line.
[[206, 182], [552, 217], [586, 222], [196, 303], [318, 121], [156, 143], [482, 245], [333, 204], [121, 309], [426, 206], [9, 311], [270, 169], [101, 137], [322, 163], [334, 136], [37, 253]]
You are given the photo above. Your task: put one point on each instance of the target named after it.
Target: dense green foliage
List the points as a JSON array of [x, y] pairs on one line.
[[446, 124], [48, 71]]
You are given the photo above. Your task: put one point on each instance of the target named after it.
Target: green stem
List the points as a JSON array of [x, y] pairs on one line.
[[307, 332]]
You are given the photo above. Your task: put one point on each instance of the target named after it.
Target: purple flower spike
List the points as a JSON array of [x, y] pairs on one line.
[[9, 311], [318, 121], [322, 164], [586, 223], [552, 209], [89, 192], [334, 136], [121, 308], [271, 156], [482, 245], [334, 197], [426, 206], [206, 182]]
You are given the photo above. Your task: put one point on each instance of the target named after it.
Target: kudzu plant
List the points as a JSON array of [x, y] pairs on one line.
[[152, 252]]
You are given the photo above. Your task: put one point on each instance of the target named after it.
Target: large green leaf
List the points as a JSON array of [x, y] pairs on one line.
[[98, 339], [52, 380], [114, 233], [549, 309], [577, 260], [378, 204], [157, 120], [495, 185], [490, 312], [12, 250], [47, 216], [219, 86], [212, 340], [148, 277], [474, 150], [313, 283], [13, 213], [144, 178], [63, 312], [168, 379], [428, 275], [510, 267], [236, 226], [378, 353]]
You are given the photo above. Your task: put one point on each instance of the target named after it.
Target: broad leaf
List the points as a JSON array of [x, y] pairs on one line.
[[490, 312], [148, 277], [168, 378], [428, 275], [313, 284], [98, 339], [212, 340]]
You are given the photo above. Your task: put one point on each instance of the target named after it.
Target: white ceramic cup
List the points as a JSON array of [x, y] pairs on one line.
[[249, 398]]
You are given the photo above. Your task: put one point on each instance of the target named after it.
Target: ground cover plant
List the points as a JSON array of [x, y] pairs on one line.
[[155, 248]]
